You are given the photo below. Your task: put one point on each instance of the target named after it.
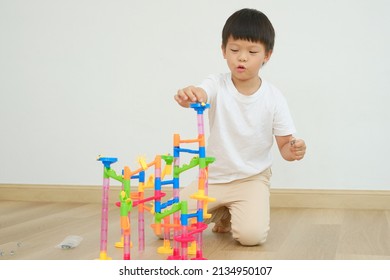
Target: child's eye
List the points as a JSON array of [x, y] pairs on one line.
[[234, 50], [253, 52]]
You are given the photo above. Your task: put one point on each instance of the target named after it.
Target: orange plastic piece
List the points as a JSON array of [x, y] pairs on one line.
[[126, 173], [176, 140], [125, 224], [202, 141]]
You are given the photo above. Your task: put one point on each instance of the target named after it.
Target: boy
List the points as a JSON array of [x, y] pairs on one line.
[[245, 113]]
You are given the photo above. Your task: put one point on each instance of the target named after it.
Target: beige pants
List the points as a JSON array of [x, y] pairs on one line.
[[244, 202]]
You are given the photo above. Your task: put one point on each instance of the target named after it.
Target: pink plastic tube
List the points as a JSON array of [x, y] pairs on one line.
[[104, 219], [126, 246], [200, 124], [141, 228]]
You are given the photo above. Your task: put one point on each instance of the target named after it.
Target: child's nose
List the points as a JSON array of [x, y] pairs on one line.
[[242, 57]]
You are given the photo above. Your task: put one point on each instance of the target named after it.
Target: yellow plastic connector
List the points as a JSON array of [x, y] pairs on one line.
[[119, 244], [152, 209], [166, 248], [143, 163], [150, 182], [201, 196], [167, 170], [192, 248], [206, 215], [103, 256]]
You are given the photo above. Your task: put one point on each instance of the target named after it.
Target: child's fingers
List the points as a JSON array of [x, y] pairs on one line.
[[191, 94], [297, 143], [181, 95], [198, 94], [181, 99], [188, 92], [292, 141], [300, 144], [298, 148]]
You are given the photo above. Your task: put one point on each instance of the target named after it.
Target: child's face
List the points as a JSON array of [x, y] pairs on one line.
[[245, 58]]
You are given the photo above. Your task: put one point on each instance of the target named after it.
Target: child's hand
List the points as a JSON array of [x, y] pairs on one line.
[[297, 148], [189, 95]]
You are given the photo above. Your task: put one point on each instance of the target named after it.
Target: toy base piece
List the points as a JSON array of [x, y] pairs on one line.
[[174, 258], [175, 255], [120, 244], [199, 256], [103, 256], [192, 249], [165, 249]]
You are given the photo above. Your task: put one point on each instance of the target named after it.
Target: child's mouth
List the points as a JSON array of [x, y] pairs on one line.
[[241, 68]]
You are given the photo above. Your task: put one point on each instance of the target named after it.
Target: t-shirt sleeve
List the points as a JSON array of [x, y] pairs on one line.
[[210, 86], [283, 124]]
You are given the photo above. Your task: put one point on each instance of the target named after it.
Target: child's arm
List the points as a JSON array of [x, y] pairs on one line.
[[291, 148], [189, 95]]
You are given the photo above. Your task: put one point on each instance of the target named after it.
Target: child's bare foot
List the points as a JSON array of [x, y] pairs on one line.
[[221, 228]]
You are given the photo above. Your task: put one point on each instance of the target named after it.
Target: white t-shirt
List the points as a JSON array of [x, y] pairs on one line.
[[242, 128]]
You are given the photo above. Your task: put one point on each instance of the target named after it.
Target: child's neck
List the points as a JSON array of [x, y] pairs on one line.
[[247, 87]]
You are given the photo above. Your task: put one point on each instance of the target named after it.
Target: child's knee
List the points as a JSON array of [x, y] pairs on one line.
[[251, 237]]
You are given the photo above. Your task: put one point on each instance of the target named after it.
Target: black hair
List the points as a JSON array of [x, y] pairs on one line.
[[251, 25]]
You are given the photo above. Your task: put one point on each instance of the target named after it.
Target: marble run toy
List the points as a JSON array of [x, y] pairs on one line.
[[187, 227]]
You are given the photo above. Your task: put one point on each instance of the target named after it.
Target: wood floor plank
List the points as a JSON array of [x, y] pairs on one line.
[[282, 220], [31, 231], [308, 241], [365, 233]]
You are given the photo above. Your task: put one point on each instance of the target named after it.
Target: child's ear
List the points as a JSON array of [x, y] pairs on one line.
[[268, 56]]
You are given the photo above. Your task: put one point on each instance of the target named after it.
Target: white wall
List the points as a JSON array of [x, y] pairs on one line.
[[80, 78]]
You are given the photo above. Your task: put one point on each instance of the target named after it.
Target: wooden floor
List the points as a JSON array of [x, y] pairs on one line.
[[31, 231]]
